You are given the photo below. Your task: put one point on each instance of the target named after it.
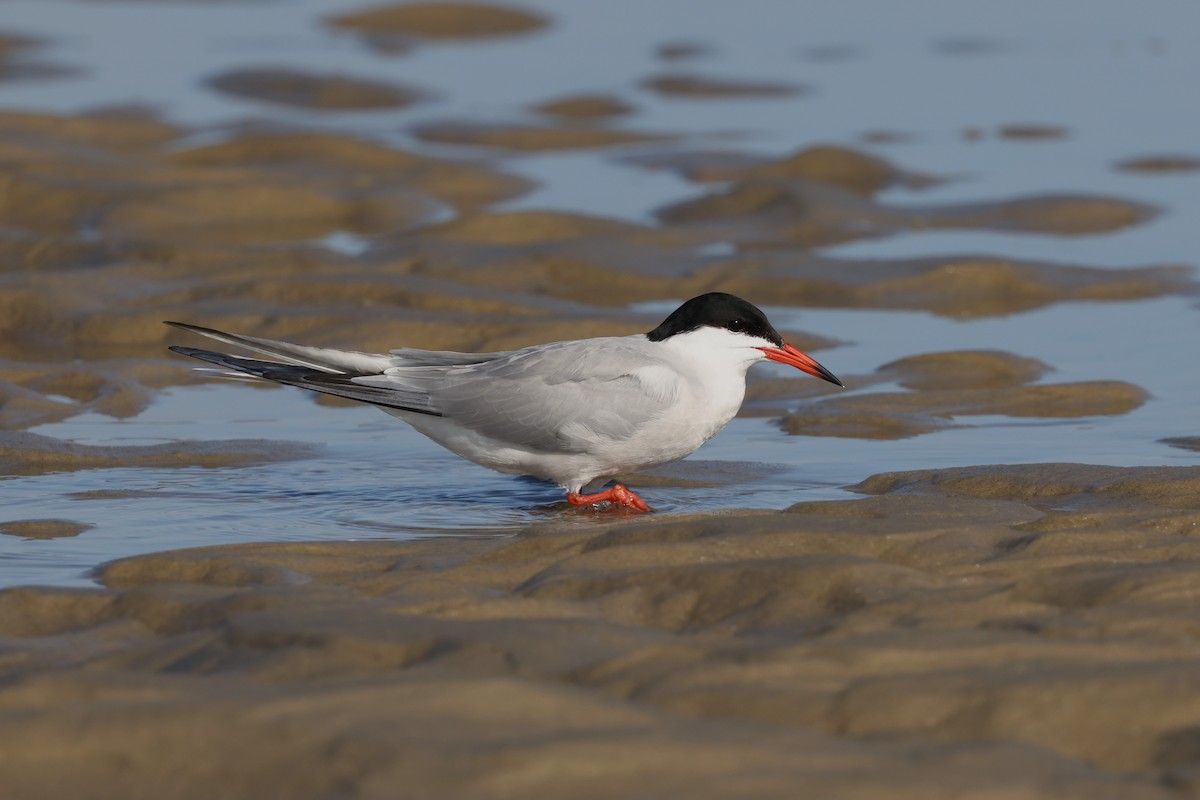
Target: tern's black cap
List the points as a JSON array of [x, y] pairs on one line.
[[717, 310]]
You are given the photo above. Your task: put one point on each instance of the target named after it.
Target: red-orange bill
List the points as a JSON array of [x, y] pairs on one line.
[[801, 361]]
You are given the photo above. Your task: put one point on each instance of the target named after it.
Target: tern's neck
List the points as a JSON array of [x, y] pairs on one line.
[[710, 352], [715, 373]]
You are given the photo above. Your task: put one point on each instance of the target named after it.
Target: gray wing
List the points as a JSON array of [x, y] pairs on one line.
[[330, 360], [318, 380], [561, 397], [325, 359], [411, 356], [337, 372]]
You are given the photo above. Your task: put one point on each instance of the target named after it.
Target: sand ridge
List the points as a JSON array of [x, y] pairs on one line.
[[944, 387]]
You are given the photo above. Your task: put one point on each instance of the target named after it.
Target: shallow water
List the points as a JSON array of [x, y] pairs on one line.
[[378, 478], [1110, 75], [375, 478]]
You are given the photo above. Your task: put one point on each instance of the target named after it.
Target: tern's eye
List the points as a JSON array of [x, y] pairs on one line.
[[736, 325]]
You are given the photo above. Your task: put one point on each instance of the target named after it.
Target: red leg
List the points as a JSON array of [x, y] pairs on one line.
[[618, 495]]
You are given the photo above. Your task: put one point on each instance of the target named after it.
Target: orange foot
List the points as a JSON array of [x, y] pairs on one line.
[[618, 495]]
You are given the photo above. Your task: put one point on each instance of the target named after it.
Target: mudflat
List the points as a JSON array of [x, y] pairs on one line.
[[999, 630]]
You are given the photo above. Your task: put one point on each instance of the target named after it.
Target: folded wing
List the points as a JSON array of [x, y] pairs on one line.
[[317, 380], [561, 397]]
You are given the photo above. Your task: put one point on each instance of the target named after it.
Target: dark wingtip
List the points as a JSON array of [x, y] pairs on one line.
[[200, 329], [187, 326]]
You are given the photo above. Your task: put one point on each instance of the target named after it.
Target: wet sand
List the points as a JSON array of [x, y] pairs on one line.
[[1022, 631], [1017, 631], [1007, 631]]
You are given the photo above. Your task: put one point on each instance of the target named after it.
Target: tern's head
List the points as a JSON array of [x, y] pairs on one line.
[[722, 321]]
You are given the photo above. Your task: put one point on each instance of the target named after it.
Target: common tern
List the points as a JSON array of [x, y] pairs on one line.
[[573, 412]]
